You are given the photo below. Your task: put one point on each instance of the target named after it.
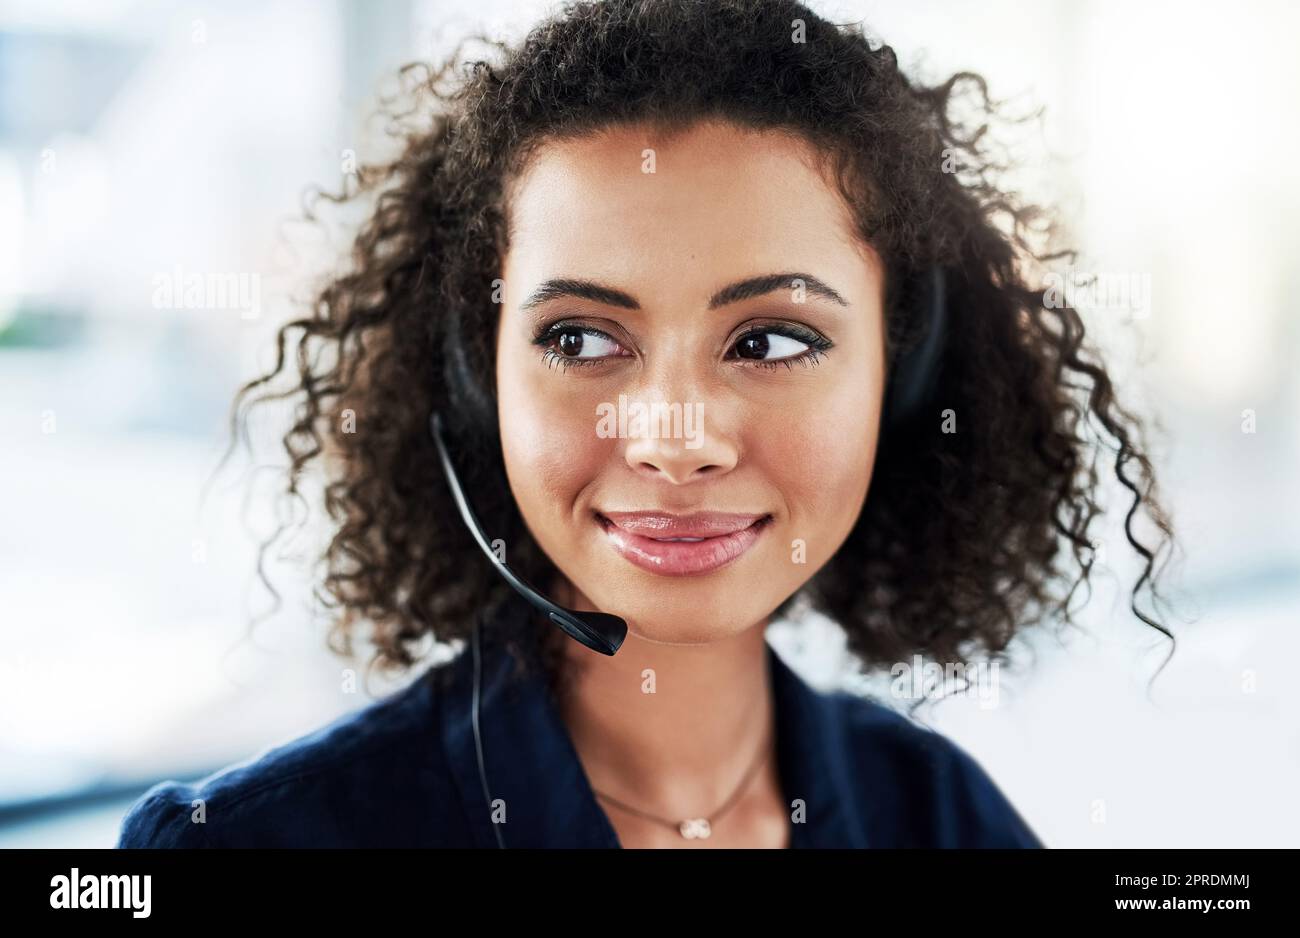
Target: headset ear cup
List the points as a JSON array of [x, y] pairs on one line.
[[916, 373]]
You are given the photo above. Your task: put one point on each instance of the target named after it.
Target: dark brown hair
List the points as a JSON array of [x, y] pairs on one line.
[[966, 538]]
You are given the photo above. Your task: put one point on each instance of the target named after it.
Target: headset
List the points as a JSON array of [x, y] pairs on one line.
[[911, 385], [915, 376]]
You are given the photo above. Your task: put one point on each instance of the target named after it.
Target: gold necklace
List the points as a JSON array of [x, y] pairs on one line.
[[696, 828]]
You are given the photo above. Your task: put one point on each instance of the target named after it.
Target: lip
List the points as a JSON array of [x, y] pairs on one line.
[[637, 536]]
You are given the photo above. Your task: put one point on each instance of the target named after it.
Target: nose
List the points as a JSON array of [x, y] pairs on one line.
[[680, 440]]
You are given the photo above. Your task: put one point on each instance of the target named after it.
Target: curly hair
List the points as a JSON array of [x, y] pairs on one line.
[[959, 546]]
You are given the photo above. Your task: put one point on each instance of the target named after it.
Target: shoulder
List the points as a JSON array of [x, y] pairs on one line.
[[161, 818], [921, 788], [372, 776]]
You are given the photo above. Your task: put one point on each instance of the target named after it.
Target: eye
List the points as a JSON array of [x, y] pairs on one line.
[[769, 345], [585, 343], [786, 345], [570, 345]]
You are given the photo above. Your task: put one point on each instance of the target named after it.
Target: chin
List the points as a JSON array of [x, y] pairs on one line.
[[664, 631], [687, 614]]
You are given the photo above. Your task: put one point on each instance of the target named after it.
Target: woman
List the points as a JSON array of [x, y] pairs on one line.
[[717, 312]]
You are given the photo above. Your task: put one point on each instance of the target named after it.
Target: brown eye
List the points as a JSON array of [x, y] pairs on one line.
[[752, 346], [584, 343], [769, 346], [570, 344]]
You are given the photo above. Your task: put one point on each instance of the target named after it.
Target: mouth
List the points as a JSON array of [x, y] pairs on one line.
[[681, 545]]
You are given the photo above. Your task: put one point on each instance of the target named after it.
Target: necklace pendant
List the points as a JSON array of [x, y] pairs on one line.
[[695, 828]]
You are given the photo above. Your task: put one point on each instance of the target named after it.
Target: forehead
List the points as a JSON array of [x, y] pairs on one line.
[[632, 199]]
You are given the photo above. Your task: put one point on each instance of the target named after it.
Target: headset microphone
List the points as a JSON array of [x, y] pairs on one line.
[[599, 631]]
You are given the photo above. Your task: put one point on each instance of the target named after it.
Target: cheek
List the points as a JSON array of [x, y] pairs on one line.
[[822, 465], [549, 441]]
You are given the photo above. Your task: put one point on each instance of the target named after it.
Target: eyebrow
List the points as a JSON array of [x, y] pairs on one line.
[[741, 290]]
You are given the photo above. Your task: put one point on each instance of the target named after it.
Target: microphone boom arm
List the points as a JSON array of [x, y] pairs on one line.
[[598, 631]]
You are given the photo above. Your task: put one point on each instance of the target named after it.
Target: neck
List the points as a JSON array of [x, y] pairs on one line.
[[670, 729]]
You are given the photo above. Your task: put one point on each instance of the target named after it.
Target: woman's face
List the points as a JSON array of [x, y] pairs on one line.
[[636, 390]]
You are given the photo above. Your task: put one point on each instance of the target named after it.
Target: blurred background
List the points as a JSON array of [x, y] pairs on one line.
[[145, 143]]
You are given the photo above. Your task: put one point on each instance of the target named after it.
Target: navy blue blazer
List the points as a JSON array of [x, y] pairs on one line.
[[402, 772]]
